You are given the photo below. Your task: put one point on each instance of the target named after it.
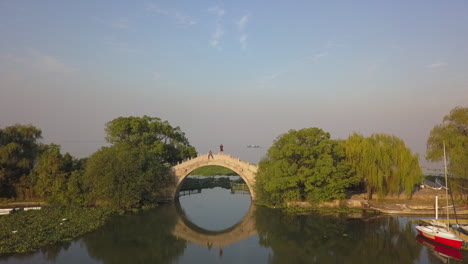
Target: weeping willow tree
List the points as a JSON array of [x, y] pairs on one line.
[[360, 155], [384, 163]]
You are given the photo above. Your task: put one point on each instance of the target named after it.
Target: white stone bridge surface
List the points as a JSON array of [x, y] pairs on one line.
[[246, 170], [188, 231]]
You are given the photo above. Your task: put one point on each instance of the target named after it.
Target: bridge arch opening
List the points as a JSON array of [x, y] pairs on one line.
[[245, 170], [206, 181], [209, 177]]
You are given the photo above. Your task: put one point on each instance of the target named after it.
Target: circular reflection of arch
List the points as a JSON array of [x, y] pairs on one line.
[[190, 232]]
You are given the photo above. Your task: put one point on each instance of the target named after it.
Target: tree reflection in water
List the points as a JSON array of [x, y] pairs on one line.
[[330, 239], [165, 235], [142, 238]]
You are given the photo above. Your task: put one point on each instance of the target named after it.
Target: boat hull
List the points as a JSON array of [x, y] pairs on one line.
[[439, 237], [439, 248]]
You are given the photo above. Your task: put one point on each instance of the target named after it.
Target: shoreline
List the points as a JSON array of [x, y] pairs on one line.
[[404, 210], [421, 203], [16, 205], [397, 209]]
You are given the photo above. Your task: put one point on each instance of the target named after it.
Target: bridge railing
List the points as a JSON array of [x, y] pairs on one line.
[[223, 156], [188, 192]]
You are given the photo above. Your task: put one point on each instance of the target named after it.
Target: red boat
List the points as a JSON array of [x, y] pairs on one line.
[[440, 235], [440, 232], [440, 249]]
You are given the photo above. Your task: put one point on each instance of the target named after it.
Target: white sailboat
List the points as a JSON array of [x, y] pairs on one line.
[[437, 231]]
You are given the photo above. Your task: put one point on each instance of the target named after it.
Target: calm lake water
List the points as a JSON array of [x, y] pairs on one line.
[[216, 226]]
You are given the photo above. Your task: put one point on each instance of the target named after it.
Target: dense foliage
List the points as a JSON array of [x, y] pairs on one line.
[[19, 149], [130, 173], [30, 170], [158, 137], [122, 176], [30, 230], [213, 170], [134, 170], [384, 163], [454, 133], [57, 178], [303, 165]]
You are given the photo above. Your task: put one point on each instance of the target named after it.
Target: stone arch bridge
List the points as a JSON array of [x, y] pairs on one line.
[[246, 170]]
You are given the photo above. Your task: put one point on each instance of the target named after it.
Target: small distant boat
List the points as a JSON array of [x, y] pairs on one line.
[[253, 146], [433, 185]]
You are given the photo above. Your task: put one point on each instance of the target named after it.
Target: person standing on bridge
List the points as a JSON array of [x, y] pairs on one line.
[[221, 148], [210, 154]]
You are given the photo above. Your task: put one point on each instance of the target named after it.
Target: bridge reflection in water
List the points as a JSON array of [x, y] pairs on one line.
[[186, 230]]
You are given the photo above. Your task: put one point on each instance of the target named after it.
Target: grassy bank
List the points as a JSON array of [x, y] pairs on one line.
[[324, 210], [30, 230]]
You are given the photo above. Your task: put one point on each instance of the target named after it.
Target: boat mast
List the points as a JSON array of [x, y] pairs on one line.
[[446, 187]]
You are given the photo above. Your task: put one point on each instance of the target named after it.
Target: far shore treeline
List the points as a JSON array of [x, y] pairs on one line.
[[301, 165], [307, 165], [130, 173]]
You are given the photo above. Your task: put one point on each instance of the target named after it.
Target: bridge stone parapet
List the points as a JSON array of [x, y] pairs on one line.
[[245, 170]]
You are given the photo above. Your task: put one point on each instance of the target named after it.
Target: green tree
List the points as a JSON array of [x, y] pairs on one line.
[[75, 189], [57, 178], [454, 132], [135, 170], [303, 165], [123, 176], [384, 163], [51, 175], [152, 134], [359, 153], [18, 151]]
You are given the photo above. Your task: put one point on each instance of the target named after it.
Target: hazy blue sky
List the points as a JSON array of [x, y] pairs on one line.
[[232, 72]]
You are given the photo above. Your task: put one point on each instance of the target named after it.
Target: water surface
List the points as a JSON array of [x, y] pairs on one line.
[[216, 226]]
